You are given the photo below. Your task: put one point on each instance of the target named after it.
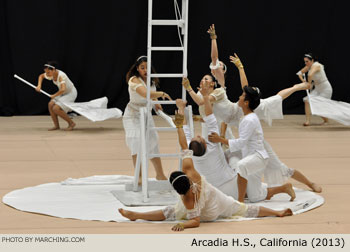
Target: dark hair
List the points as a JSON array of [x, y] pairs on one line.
[[182, 184], [133, 70], [252, 94], [310, 56], [197, 148], [52, 65]]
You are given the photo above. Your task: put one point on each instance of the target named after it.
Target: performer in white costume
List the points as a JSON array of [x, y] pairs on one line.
[[276, 172], [200, 201], [66, 93], [136, 79], [210, 161], [317, 77]]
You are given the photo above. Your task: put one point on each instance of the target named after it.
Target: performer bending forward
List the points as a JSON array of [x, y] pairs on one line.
[[66, 93], [316, 76], [200, 201]]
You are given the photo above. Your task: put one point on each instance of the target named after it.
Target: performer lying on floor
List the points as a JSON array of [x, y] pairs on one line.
[[200, 201]]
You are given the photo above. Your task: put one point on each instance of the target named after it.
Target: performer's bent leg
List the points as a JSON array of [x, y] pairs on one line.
[[53, 116], [151, 216], [242, 187], [157, 163], [307, 113], [298, 176], [286, 188], [58, 111]]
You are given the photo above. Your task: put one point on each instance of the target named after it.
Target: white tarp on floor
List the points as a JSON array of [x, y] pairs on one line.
[[91, 199]]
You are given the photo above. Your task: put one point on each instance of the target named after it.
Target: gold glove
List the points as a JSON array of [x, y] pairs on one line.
[[186, 84], [179, 120], [237, 62], [212, 33]]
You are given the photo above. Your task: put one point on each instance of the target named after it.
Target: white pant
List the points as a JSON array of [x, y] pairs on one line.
[[252, 169]]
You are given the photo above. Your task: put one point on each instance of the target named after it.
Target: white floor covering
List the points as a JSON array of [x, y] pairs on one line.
[[90, 198]]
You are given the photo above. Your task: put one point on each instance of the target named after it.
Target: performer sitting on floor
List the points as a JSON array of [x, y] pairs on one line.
[[66, 93], [200, 201]]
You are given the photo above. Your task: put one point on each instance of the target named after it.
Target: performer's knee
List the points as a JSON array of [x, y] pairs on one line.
[[56, 108]]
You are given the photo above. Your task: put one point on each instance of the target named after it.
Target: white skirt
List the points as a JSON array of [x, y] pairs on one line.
[[336, 110], [69, 97], [270, 109], [132, 127]]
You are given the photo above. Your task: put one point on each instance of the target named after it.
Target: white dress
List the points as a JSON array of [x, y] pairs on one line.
[[131, 120], [322, 86], [229, 112], [321, 103], [212, 205], [69, 95]]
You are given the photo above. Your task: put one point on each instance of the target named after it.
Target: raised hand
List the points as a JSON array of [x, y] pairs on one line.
[[211, 31], [235, 60], [180, 104], [186, 84]]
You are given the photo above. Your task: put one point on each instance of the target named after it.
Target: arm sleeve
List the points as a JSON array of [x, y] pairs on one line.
[[134, 85], [187, 132], [218, 94], [217, 65], [211, 123], [246, 129]]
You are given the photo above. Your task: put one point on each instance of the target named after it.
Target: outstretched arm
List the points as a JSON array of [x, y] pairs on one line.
[[215, 66], [235, 60]]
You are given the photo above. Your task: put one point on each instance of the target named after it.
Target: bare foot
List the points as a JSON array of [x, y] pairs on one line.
[[54, 128], [161, 177], [316, 188], [306, 124], [127, 214], [289, 189], [70, 127], [285, 212]]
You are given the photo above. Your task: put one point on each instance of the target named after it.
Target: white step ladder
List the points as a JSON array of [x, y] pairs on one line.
[[144, 156]]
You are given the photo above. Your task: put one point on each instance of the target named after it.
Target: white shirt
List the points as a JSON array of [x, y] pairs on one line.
[[62, 78], [251, 137], [212, 164]]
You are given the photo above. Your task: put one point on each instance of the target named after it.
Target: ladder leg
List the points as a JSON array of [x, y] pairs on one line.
[[144, 156]]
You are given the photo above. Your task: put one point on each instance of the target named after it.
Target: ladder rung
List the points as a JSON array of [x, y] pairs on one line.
[[175, 75], [167, 48], [163, 102], [165, 128], [164, 155], [167, 22]]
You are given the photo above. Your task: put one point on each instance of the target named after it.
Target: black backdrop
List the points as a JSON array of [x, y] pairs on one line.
[[96, 42]]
